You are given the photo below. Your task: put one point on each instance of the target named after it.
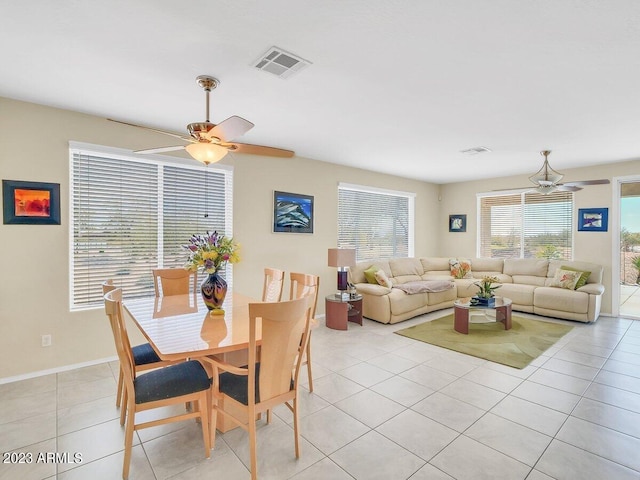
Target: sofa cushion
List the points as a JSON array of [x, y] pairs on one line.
[[561, 299], [595, 269], [530, 267], [370, 274], [437, 264], [402, 303], [406, 269], [584, 276], [382, 278], [489, 265], [357, 271], [460, 267], [565, 279], [520, 294]]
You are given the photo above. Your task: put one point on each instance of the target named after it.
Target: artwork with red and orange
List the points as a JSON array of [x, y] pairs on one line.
[[32, 203]]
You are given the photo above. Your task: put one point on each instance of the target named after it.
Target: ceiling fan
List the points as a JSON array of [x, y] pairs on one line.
[[208, 142], [547, 180]]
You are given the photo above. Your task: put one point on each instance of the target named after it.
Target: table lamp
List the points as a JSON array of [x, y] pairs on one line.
[[342, 258]]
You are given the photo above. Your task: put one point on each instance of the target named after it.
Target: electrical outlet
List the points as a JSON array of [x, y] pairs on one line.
[[46, 340]]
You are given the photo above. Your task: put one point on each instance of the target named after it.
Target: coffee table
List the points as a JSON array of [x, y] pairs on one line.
[[462, 306]]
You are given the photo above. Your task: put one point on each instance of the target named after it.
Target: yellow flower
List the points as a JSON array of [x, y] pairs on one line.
[[209, 255]]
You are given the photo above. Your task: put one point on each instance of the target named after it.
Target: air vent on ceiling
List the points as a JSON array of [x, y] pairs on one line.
[[280, 62], [475, 150]]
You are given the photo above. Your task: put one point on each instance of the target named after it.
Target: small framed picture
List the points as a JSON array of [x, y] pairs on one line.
[[593, 219], [30, 203], [457, 223], [292, 213]]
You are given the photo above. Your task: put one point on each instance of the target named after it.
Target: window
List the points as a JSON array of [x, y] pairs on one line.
[[131, 215], [377, 223], [526, 225]]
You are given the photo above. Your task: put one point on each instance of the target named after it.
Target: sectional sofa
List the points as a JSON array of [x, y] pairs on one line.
[[527, 282]]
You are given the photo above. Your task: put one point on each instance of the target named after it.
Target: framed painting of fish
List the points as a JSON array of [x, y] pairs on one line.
[[34, 203], [292, 213]]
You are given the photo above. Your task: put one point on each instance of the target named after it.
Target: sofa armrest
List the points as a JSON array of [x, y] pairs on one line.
[[592, 288], [372, 289]]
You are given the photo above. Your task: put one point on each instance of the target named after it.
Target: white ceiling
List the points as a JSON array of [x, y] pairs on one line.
[[396, 86]]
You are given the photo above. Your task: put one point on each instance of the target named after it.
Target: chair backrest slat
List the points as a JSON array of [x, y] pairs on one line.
[[303, 285], [273, 285], [174, 281], [113, 309]]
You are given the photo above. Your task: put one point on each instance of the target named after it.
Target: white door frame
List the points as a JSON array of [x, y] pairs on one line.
[[615, 237]]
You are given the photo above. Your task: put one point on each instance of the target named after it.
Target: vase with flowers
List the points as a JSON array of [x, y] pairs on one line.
[[485, 295], [211, 252]]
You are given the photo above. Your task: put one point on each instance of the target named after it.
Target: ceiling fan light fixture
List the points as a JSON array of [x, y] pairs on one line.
[[546, 189], [206, 152], [546, 175]]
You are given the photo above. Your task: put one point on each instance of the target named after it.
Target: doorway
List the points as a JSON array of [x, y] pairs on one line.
[[629, 250]]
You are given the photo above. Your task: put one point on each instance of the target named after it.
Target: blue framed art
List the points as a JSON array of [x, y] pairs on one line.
[[593, 219], [292, 213]]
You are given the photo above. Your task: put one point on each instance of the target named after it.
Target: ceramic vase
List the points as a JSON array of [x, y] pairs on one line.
[[214, 290]]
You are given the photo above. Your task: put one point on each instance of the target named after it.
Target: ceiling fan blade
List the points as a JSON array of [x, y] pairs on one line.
[[160, 149], [603, 181], [567, 188], [230, 128], [259, 150], [181, 137]]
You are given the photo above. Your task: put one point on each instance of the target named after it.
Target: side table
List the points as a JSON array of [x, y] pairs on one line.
[[338, 312]]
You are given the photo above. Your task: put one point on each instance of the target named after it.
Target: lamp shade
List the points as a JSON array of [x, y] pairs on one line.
[[206, 152], [342, 257]]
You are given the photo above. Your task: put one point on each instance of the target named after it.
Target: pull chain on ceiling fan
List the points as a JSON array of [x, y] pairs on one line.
[[208, 142]]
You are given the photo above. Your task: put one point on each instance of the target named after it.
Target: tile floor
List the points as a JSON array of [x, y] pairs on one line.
[[384, 407]]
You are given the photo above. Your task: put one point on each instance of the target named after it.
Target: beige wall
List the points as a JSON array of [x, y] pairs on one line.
[[34, 288], [34, 291], [460, 198]]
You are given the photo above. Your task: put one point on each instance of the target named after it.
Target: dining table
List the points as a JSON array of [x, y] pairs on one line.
[[180, 327]]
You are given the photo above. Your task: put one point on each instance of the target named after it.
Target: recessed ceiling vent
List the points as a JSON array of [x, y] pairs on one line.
[[280, 62], [475, 150]]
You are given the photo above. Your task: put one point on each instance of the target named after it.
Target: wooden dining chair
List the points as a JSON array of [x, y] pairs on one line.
[[144, 358], [273, 285], [241, 393], [177, 384], [174, 281], [306, 285]]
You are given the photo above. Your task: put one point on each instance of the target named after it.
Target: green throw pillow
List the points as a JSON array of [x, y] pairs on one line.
[[583, 277], [370, 274]]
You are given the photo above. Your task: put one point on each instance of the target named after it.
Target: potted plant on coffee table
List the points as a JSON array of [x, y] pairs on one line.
[[485, 295]]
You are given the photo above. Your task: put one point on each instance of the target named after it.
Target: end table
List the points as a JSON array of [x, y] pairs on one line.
[[338, 312]]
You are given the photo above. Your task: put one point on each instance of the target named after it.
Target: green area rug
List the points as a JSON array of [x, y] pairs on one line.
[[516, 347]]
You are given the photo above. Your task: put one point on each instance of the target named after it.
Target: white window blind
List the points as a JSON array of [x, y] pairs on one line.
[[377, 223], [129, 216], [526, 225]]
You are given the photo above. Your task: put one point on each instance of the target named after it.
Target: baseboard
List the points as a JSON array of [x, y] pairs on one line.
[[66, 368]]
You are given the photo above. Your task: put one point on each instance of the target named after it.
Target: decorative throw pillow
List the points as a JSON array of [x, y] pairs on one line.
[[382, 279], [370, 274], [460, 268], [583, 276], [565, 279]]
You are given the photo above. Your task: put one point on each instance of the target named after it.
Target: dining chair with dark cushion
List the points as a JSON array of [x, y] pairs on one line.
[[144, 358], [242, 393], [176, 384]]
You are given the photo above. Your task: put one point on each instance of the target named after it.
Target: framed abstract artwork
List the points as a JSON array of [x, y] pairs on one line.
[[292, 213], [30, 203], [593, 219], [457, 223]]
